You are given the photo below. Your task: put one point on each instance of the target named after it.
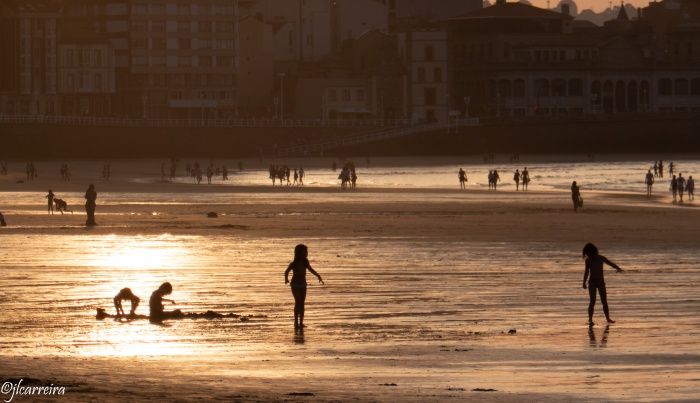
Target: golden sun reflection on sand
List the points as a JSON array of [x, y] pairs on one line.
[[141, 263]]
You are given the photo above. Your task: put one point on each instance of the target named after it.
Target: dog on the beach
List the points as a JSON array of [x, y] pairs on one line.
[[61, 206]]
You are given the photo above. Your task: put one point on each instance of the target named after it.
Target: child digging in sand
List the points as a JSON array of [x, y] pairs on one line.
[[298, 267], [596, 281], [125, 294]]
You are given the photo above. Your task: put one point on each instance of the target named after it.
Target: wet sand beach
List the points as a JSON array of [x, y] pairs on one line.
[[432, 293]]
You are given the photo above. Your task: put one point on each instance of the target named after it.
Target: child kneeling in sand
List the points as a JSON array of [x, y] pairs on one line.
[[157, 313], [125, 294]]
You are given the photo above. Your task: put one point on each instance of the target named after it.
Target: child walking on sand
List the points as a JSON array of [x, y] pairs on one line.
[[596, 280], [298, 268]]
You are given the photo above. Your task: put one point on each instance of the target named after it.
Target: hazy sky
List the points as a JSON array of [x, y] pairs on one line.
[[594, 4]]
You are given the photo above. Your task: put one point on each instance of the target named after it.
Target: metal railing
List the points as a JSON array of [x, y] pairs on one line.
[[196, 123]]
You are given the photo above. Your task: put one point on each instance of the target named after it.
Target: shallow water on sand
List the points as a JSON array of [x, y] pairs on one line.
[[608, 176], [377, 290]]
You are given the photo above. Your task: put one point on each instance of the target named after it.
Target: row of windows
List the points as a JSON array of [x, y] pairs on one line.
[[182, 43], [482, 51], [184, 61], [83, 82], [560, 87], [202, 95], [345, 94], [190, 80], [421, 77], [679, 87], [182, 26], [83, 57], [183, 9]]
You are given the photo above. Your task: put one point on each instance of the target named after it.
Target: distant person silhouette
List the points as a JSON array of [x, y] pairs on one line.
[[690, 187], [674, 187], [516, 179], [594, 280], [525, 178], [576, 196], [649, 180], [680, 183], [462, 179], [298, 268], [661, 168], [90, 204], [155, 304], [49, 198], [125, 294]]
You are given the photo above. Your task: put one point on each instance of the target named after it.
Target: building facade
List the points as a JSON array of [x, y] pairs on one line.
[[424, 53], [515, 60], [28, 58]]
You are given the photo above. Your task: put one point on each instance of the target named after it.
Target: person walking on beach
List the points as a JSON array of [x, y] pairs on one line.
[[525, 178], [671, 167], [125, 294], [594, 280], [490, 180], [155, 304], [674, 188], [576, 196], [90, 198], [661, 168], [690, 187], [462, 179], [516, 179], [296, 177], [656, 169], [301, 176], [680, 183], [49, 198], [298, 268], [649, 180], [496, 178]]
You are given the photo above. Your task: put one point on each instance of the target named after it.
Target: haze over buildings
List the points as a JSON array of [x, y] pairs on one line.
[[409, 60]]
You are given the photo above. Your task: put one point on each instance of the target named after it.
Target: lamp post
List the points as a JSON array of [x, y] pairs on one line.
[[282, 95]]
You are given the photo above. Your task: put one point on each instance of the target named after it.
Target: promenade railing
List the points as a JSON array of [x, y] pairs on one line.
[[196, 123]]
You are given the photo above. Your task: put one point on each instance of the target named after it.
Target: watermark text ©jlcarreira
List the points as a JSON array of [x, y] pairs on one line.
[[12, 389]]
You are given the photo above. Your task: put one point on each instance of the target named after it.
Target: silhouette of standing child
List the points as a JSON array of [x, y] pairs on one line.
[[90, 204], [596, 281], [50, 198], [576, 196], [298, 268]]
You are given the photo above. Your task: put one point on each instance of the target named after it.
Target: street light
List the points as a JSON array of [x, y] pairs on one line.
[[282, 75]]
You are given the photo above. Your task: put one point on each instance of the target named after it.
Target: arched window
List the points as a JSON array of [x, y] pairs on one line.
[[519, 88], [665, 87], [695, 86], [576, 87], [681, 87], [620, 97], [632, 96], [559, 87], [504, 88], [644, 93], [596, 93], [542, 87]]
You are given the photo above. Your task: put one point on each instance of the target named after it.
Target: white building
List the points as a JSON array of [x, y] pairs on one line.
[[425, 54]]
